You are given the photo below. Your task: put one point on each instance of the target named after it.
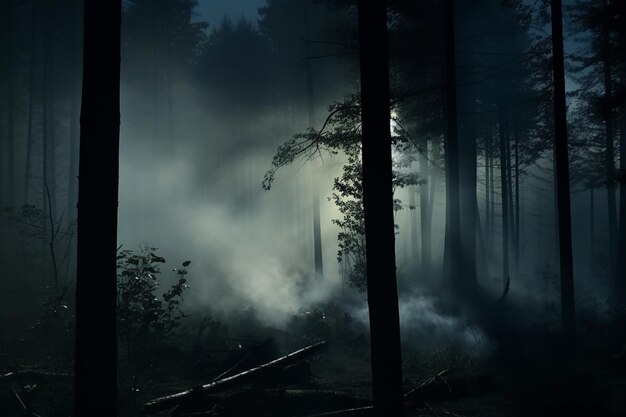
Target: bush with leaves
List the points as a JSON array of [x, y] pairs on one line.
[[146, 321], [341, 133]]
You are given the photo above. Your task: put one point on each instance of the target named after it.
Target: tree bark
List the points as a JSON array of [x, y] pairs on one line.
[[413, 220], [452, 245], [31, 93], [378, 210], [516, 241], [72, 182], [621, 258], [592, 232], [610, 153], [96, 338], [487, 195], [503, 131], [425, 217], [11, 103], [509, 188], [568, 313]]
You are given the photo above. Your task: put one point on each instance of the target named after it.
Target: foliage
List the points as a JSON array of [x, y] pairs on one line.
[[147, 322], [341, 133]]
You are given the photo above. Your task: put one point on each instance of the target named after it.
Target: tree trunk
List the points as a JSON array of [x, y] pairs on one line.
[[610, 157], [492, 193], [378, 210], [487, 196], [73, 162], [31, 93], [72, 185], [51, 176], [413, 221], [621, 258], [509, 188], [503, 131], [592, 232], [452, 245], [425, 217], [11, 103], [568, 311], [45, 120], [467, 191], [96, 338], [516, 241]]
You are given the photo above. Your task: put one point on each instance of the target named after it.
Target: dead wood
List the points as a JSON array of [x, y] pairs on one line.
[[31, 375], [348, 412], [263, 371]]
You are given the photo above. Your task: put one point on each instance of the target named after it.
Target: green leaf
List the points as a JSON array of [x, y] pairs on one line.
[[186, 263]]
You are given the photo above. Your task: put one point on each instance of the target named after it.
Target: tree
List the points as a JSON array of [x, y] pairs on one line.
[[161, 42], [96, 337], [378, 210], [317, 235], [452, 251], [599, 65], [568, 313]]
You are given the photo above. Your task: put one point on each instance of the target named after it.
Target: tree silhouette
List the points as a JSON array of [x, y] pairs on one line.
[[96, 285]]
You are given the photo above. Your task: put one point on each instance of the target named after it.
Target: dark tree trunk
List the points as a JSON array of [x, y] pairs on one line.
[[96, 338], [378, 210], [509, 188], [432, 181], [468, 203], [503, 130], [31, 94], [452, 245], [568, 311], [3, 87], [610, 155], [45, 121], [74, 122], [592, 231], [516, 242], [492, 192], [47, 128], [621, 258], [425, 217], [487, 195], [51, 176], [413, 220], [11, 104]]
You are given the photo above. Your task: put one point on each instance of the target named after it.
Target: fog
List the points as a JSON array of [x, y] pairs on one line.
[[240, 133]]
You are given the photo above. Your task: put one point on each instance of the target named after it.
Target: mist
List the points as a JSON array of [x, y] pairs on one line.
[[242, 209]]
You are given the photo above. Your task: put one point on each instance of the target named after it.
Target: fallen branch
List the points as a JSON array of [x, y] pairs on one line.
[[31, 374], [348, 412], [170, 401]]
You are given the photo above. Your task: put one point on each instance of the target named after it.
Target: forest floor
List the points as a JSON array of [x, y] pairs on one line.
[[527, 373]]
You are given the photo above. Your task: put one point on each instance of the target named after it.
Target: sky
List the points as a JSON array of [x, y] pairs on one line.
[[213, 11]]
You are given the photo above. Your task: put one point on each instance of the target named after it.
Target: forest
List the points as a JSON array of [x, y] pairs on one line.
[[309, 208]]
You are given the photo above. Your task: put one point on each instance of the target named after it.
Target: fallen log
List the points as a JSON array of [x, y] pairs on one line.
[[348, 412], [31, 375], [170, 401]]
